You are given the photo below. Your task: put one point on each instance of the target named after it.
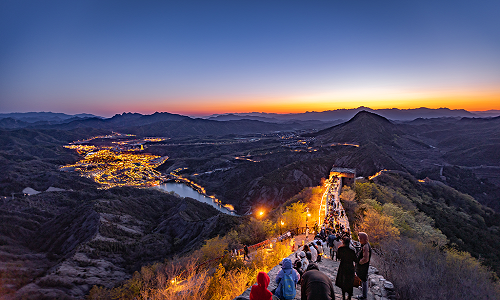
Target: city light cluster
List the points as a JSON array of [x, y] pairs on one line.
[[111, 169], [82, 149], [155, 139]]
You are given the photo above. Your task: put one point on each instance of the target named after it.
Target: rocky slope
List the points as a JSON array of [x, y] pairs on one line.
[[60, 244]]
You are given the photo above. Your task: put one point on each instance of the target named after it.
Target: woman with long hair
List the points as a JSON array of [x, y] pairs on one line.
[[345, 274]]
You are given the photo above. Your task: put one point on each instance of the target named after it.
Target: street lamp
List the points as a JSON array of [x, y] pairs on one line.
[[281, 224], [307, 218]]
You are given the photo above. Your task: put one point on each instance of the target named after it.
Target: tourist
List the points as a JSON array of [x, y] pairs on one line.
[[302, 263], [320, 250], [314, 251], [259, 291], [245, 254], [316, 285], [322, 233], [336, 244], [345, 274], [363, 264], [331, 239], [307, 251], [286, 280]]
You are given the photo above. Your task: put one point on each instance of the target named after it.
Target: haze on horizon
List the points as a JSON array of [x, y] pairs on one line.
[[206, 57]]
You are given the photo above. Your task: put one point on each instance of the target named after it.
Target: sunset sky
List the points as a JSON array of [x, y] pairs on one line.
[[205, 57]]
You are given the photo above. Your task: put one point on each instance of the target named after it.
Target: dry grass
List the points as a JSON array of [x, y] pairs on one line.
[[229, 278]]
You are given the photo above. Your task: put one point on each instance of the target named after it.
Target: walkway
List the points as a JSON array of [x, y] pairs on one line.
[[331, 209], [331, 213], [327, 266]]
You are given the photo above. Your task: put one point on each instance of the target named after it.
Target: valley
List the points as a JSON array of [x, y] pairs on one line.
[[107, 223]]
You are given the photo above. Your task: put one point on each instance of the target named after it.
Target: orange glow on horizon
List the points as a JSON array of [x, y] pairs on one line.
[[454, 99]]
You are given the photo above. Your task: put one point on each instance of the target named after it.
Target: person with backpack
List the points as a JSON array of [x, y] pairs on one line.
[[259, 291], [286, 280]]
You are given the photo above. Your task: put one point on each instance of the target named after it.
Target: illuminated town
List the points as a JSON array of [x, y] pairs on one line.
[[120, 165], [114, 161]]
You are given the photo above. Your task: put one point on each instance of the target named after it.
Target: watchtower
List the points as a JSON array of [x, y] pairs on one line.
[[347, 175]]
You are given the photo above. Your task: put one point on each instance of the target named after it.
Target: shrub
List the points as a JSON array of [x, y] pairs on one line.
[[214, 247], [420, 271], [180, 280], [379, 227]]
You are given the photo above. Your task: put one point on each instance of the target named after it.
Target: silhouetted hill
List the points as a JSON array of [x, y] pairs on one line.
[[200, 127], [11, 123], [48, 117], [172, 125], [121, 121], [135, 119], [365, 127], [235, 117]]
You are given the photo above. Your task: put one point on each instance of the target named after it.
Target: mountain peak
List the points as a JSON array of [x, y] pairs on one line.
[[365, 127], [364, 116]]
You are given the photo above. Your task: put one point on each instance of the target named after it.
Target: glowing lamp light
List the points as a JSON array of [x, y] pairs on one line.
[[282, 223], [261, 213]]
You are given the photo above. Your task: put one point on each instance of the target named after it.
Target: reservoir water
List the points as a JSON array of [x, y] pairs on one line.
[[186, 191]]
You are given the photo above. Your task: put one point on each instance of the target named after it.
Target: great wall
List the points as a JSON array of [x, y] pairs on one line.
[[331, 208]]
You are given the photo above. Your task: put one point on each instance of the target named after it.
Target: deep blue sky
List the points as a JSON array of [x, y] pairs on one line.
[[201, 57]]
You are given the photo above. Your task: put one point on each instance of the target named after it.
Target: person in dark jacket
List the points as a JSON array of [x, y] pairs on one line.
[[331, 239], [316, 285], [345, 274], [363, 264], [245, 254], [259, 291]]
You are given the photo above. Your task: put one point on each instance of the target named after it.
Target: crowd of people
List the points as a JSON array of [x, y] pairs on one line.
[[334, 236], [315, 285]]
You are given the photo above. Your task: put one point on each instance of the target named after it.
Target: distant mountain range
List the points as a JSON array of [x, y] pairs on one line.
[[164, 124], [160, 123], [33, 119], [333, 117], [346, 114]]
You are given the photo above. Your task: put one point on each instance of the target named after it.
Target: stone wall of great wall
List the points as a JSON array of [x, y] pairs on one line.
[[333, 212]]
